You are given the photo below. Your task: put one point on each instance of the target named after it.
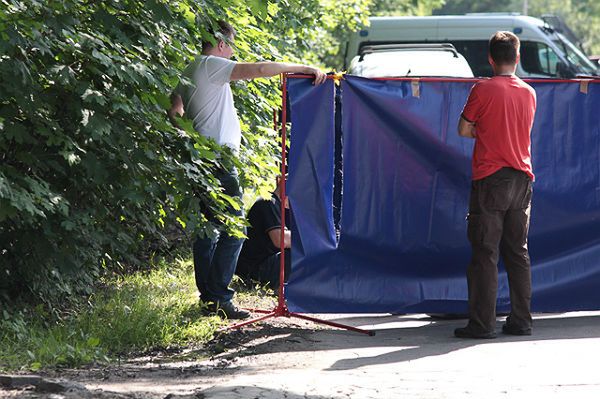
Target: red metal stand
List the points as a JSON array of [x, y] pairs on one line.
[[281, 309]]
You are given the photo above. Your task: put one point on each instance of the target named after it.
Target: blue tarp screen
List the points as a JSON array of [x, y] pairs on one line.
[[401, 243]]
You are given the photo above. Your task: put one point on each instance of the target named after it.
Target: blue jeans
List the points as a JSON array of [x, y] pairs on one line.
[[215, 259]]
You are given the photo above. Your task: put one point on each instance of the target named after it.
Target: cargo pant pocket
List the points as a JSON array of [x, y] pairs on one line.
[[497, 194]]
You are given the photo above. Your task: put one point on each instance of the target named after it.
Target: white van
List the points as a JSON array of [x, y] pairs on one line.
[[544, 51]]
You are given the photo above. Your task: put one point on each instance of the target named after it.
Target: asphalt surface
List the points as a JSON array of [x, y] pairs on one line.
[[411, 356]]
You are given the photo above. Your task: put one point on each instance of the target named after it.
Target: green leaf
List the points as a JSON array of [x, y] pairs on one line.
[[187, 13], [70, 157], [207, 153], [17, 132], [93, 96], [98, 125], [104, 60], [93, 342], [6, 210], [233, 202], [163, 100], [259, 8], [68, 225]]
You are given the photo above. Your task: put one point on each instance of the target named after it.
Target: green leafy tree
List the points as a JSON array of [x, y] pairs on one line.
[[405, 7], [461, 7], [89, 168]]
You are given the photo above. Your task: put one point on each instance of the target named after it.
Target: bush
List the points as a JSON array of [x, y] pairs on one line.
[[89, 167], [90, 170]]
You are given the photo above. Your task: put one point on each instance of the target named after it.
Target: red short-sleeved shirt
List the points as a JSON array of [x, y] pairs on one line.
[[502, 109]]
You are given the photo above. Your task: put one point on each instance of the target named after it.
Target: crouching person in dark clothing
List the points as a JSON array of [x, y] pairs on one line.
[[261, 254]]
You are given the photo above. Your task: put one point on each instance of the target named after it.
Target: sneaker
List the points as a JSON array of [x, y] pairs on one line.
[[513, 330], [228, 310], [466, 332]]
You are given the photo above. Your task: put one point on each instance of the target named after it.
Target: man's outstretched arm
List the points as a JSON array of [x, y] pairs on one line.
[[253, 70]]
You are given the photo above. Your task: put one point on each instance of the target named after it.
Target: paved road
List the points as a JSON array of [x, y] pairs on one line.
[[412, 356]]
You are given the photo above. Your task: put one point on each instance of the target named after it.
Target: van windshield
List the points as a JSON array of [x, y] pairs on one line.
[[575, 56]]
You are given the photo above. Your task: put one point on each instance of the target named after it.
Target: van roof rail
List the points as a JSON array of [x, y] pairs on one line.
[[377, 48]]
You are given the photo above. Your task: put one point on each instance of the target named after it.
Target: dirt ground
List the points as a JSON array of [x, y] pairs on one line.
[[411, 356]]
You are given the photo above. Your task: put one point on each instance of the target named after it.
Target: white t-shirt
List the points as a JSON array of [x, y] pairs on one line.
[[209, 104]]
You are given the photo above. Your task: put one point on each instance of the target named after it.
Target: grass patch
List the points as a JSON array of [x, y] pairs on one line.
[[253, 294], [156, 309]]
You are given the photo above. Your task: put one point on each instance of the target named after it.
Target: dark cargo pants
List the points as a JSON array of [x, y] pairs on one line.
[[498, 224]]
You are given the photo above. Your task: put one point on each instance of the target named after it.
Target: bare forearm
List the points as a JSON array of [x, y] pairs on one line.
[[243, 71], [287, 242], [268, 69], [275, 236], [466, 128], [467, 133]]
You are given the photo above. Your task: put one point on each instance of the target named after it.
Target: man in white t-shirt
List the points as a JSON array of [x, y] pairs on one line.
[[209, 104]]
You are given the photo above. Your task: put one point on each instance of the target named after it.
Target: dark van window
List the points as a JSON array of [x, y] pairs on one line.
[[538, 58], [476, 54]]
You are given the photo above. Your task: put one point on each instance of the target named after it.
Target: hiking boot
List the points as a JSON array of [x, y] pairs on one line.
[[227, 310], [466, 332], [514, 330]]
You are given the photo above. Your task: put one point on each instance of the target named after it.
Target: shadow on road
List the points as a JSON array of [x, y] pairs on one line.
[[247, 392], [415, 336]]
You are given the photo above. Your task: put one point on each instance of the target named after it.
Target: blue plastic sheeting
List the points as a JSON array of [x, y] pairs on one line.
[[310, 186], [402, 241]]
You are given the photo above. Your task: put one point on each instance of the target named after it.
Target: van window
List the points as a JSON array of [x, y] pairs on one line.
[[476, 53], [537, 58], [575, 56]]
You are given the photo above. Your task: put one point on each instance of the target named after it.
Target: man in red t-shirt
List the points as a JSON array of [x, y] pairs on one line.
[[499, 115]]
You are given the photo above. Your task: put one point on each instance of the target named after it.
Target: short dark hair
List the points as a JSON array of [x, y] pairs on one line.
[[504, 47], [223, 28]]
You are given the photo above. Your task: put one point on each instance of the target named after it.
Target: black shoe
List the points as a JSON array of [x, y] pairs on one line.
[[512, 330], [466, 332], [227, 310]]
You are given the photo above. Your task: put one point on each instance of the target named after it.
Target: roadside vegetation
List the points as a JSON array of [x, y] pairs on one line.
[[128, 314]]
